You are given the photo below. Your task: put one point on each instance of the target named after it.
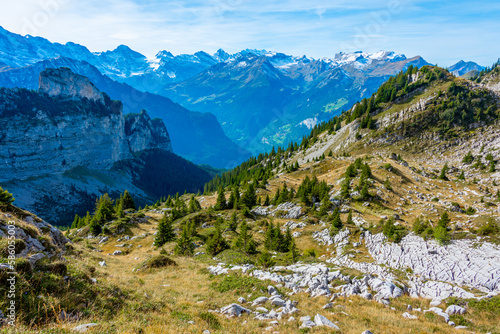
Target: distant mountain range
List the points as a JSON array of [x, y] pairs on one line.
[[259, 98]]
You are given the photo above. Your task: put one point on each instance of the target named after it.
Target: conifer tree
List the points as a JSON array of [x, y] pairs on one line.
[[250, 198], [441, 233], [336, 223], [6, 197], [267, 201], [95, 227], [221, 200], [75, 222], [443, 176], [104, 209], [165, 231], [233, 223], [245, 240], [349, 220], [127, 201], [216, 243], [293, 252], [461, 177], [345, 189], [194, 205], [119, 210], [185, 244], [325, 204]]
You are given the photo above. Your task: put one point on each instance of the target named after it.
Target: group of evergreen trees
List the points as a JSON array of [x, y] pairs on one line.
[[236, 201], [105, 210], [312, 190], [440, 232], [363, 185]]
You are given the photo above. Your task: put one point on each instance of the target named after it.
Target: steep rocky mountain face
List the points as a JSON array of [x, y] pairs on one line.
[[68, 143], [195, 136], [260, 98], [463, 67]]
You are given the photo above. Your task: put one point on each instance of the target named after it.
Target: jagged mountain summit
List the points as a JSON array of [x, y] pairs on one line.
[[462, 67], [68, 143]]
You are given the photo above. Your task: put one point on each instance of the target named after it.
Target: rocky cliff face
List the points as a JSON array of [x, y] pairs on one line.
[[52, 134], [143, 133], [64, 83]]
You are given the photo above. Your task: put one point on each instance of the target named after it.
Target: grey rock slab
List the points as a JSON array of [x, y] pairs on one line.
[[260, 300], [234, 310], [308, 324], [455, 309], [323, 321], [407, 315], [84, 328], [438, 311]]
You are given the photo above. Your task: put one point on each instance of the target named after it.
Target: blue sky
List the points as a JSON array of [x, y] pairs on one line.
[[442, 32]]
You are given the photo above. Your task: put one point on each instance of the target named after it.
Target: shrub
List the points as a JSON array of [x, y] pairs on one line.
[[489, 228], [310, 252], [239, 284], [159, 261], [19, 246], [265, 260], [394, 233]]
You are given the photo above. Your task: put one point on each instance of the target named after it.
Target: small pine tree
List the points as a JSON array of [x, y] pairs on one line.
[[387, 184], [216, 243], [267, 201], [461, 177], [194, 205], [233, 223], [441, 233], [221, 200], [250, 198], [336, 222], [6, 197], [349, 220], [127, 201], [492, 166], [443, 176], [119, 210], [95, 227], [345, 189], [245, 240], [265, 260], [293, 252], [75, 222], [325, 204], [185, 244], [165, 231], [468, 158]]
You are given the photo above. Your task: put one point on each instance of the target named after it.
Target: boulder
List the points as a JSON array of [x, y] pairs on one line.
[[438, 311], [407, 315], [234, 310], [260, 300], [455, 309], [323, 321]]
